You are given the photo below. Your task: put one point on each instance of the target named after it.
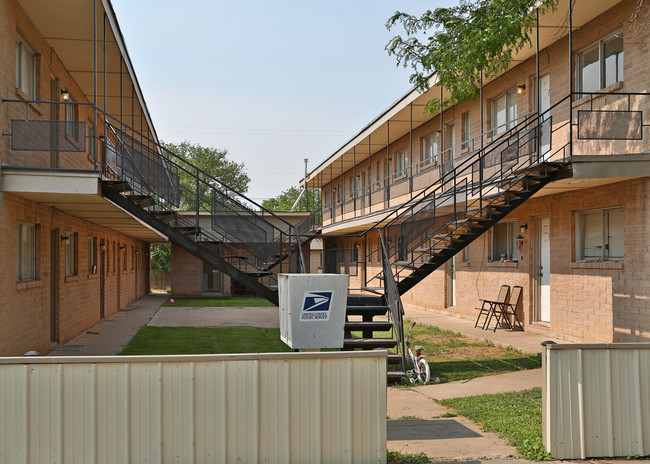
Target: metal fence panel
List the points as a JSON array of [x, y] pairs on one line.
[[288, 407], [596, 400]]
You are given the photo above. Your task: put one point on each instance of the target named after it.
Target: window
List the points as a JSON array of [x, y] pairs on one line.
[[504, 112], [450, 142], [26, 252], [92, 255], [465, 131], [132, 258], [70, 253], [70, 120], [401, 162], [600, 235], [378, 171], [25, 69], [341, 192], [402, 248], [353, 186], [430, 148], [114, 259], [504, 246], [123, 256], [466, 255], [327, 199], [600, 65]]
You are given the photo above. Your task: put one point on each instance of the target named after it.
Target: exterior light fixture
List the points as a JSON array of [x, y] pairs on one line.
[[523, 228], [65, 95], [521, 88], [65, 238]]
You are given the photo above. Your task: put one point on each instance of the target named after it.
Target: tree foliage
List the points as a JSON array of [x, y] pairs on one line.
[[310, 201], [214, 163], [161, 257], [475, 36]]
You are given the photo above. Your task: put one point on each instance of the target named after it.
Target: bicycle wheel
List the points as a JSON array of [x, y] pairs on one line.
[[425, 374]]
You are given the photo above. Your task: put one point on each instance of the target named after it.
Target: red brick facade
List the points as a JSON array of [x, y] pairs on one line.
[[605, 301]]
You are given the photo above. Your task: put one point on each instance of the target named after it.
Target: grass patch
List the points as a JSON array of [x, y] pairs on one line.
[[205, 340], [516, 416], [224, 301], [452, 356], [397, 457]]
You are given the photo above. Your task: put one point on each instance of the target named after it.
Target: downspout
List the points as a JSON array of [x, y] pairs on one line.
[[304, 189]]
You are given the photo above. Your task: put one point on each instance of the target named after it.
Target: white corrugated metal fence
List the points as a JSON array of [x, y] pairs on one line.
[[289, 407], [596, 400]]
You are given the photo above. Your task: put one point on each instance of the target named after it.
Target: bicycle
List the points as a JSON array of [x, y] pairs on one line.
[[420, 372]]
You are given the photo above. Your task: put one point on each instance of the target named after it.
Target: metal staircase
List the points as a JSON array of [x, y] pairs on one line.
[[468, 200], [200, 213]]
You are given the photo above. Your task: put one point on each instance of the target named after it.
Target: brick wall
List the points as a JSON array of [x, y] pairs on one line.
[[605, 301], [25, 306]]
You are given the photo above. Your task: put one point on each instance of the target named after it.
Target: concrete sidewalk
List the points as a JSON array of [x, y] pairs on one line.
[[424, 427], [109, 336]]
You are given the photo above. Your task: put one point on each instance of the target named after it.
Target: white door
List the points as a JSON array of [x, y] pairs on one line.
[[544, 270], [544, 106], [451, 288]]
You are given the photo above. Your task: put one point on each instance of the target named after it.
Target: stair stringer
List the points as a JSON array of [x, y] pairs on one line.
[[189, 245]]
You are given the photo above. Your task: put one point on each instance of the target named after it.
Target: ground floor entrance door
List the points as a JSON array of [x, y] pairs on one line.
[[544, 270], [54, 284], [212, 279]]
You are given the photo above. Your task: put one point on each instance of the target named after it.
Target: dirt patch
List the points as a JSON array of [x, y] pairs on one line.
[[468, 352]]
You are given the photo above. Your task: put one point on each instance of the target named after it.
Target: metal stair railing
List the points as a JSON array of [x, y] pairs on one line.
[[481, 175], [155, 171], [394, 303]]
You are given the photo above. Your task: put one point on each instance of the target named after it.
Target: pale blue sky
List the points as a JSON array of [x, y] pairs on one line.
[[273, 82]]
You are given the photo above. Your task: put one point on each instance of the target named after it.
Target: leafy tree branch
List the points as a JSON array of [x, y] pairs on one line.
[[473, 37]]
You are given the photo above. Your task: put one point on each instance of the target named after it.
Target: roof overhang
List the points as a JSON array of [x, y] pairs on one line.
[[408, 112], [77, 193], [69, 28]]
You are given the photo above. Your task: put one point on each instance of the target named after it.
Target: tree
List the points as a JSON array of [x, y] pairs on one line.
[[310, 201], [217, 170], [161, 257], [475, 38]]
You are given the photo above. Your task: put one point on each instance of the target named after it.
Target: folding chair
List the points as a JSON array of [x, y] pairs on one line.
[[510, 308], [487, 306]]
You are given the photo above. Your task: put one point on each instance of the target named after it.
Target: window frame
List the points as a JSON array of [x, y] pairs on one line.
[[26, 272], [27, 86], [401, 163], [430, 157], [602, 63], [512, 251], [465, 141], [70, 253], [510, 96], [605, 229], [92, 255]]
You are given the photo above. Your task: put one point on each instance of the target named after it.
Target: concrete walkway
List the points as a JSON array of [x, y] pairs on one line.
[[109, 336], [424, 428]]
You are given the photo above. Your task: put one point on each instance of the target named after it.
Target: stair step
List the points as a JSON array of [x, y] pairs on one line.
[[394, 359], [369, 343], [142, 201], [366, 310], [118, 185], [394, 377], [368, 325], [188, 230]]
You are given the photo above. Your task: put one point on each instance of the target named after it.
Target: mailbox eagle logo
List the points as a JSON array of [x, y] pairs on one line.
[[316, 305]]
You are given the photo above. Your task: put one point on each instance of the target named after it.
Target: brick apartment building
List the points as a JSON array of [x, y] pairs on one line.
[[579, 246], [87, 187], [70, 256]]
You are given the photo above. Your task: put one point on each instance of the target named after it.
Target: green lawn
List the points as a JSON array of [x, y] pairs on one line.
[[516, 416], [452, 356], [204, 340], [218, 301]]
